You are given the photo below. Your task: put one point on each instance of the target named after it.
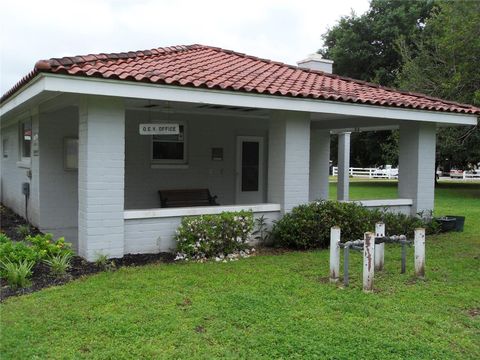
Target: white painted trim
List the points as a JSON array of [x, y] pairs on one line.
[[30, 90], [130, 89], [198, 210], [25, 163], [383, 202], [169, 166]]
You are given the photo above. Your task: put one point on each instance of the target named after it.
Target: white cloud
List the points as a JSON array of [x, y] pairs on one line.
[[282, 30]]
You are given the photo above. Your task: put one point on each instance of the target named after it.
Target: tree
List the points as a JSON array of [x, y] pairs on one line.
[[445, 65], [363, 47]]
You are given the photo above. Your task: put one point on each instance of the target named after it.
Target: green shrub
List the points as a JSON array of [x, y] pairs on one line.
[[103, 262], [46, 247], [23, 230], [17, 274], [59, 264], [4, 238], [206, 236], [308, 226], [17, 251]]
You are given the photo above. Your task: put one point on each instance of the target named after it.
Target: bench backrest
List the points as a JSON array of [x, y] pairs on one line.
[[186, 197]]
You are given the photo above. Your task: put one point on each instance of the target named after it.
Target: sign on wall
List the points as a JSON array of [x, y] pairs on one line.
[[159, 129]]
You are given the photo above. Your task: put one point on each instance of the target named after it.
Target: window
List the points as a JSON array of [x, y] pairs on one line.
[[169, 149], [70, 153], [25, 139], [5, 148]]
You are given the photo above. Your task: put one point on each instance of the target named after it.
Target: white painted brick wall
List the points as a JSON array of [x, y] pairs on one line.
[[101, 177], [13, 175], [289, 159], [157, 234], [319, 164], [417, 165], [58, 187]]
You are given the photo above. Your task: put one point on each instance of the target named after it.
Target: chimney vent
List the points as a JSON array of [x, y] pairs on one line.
[[316, 62]]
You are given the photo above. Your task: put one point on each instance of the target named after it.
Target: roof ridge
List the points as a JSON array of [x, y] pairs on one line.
[[47, 64]]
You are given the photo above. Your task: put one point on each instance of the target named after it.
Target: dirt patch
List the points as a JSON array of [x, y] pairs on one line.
[[42, 278], [200, 329], [474, 312], [325, 280]]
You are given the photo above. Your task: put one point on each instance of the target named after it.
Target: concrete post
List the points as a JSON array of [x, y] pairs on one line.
[[319, 164], [343, 184], [379, 248], [288, 159], [368, 261], [417, 165], [101, 177], [334, 253], [419, 241]]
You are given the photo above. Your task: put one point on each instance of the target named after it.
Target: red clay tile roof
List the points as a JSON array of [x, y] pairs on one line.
[[214, 68]]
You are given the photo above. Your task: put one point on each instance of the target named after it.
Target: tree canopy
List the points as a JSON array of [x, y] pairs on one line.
[[363, 47], [446, 65], [426, 46]]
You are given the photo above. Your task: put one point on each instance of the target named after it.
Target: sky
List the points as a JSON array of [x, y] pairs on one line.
[[281, 30]]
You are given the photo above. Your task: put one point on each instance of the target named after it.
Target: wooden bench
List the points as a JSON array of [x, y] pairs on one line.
[[186, 198]]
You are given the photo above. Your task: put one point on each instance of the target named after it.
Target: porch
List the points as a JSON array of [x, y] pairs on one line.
[[267, 161]]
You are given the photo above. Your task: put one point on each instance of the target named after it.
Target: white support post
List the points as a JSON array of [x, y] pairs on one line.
[[343, 166], [319, 164], [419, 252], [334, 253], [379, 248], [417, 165], [101, 176], [368, 261], [288, 159]]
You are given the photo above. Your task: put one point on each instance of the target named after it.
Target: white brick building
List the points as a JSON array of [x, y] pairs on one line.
[[256, 133]]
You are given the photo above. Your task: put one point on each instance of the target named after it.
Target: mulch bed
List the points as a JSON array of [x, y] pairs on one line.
[[9, 222], [42, 278]]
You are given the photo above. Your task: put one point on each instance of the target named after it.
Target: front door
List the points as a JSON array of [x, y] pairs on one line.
[[249, 179]]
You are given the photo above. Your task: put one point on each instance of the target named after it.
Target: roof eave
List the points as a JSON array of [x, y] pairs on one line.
[[140, 90]]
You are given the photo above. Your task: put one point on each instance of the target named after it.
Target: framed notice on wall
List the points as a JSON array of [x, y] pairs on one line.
[[70, 153]]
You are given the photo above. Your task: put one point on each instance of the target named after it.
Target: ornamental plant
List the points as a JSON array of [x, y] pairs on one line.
[[17, 274], [59, 264], [46, 246], [16, 252], [308, 226], [207, 236]]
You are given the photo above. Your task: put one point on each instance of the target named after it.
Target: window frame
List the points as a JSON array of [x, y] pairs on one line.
[[24, 161], [171, 162]]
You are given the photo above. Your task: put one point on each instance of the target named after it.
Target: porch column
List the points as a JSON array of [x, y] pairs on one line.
[[319, 164], [343, 184], [416, 178], [101, 177], [288, 159]]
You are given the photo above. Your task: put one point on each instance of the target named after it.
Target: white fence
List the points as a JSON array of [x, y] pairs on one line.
[[370, 173], [467, 175]]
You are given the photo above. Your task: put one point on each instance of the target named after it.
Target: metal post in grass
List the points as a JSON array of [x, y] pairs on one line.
[[368, 261], [419, 241], [346, 255], [404, 256], [379, 248], [334, 253]]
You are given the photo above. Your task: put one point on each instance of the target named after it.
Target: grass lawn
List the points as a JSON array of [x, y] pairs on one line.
[[267, 306]]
